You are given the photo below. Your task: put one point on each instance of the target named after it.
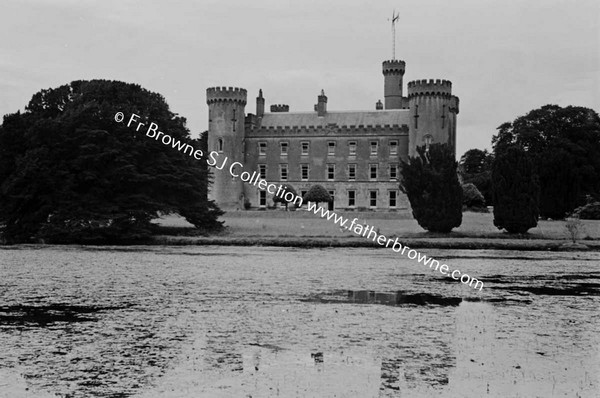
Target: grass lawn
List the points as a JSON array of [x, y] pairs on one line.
[[277, 223]]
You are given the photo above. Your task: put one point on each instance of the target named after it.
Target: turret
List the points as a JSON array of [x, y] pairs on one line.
[[433, 111], [393, 72], [226, 110]]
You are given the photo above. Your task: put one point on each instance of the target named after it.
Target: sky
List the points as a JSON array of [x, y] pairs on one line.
[[504, 57]]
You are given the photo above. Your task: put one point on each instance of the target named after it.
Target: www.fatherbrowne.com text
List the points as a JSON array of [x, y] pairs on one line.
[[220, 162]]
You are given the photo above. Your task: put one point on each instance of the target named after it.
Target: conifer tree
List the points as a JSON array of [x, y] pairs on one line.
[[515, 191], [431, 183]]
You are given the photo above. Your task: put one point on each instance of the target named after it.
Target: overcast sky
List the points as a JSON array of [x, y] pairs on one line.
[[504, 58]]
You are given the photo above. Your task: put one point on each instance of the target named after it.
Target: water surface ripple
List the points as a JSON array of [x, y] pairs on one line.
[[261, 322]]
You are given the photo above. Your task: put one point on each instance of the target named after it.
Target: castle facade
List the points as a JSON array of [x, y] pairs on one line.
[[355, 155]]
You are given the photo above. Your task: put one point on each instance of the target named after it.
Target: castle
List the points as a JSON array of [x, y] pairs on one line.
[[355, 155]]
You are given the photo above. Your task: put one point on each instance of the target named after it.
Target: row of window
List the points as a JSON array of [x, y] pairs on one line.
[[331, 148], [351, 172], [351, 198]]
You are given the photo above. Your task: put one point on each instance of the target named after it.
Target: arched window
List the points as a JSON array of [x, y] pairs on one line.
[[220, 145]]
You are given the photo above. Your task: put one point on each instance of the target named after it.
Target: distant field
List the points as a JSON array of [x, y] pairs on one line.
[[304, 224]]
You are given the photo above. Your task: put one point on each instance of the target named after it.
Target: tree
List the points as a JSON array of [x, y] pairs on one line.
[[515, 191], [317, 194], [70, 172], [563, 144], [472, 198], [475, 167], [475, 161], [431, 184], [281, 198]]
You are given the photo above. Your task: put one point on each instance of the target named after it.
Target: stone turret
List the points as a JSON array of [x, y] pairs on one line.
[[433, 111], [393, 72], [226, 110]]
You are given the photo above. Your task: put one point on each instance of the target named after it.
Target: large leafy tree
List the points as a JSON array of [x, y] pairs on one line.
[[515, 191], [475, 167], [317, 194], [70, 172], [431, 183], [563, 144]]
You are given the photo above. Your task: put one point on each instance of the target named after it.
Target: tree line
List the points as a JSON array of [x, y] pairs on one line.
[[543, 164]]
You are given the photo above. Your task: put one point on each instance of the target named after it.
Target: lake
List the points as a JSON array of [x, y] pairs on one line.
[[278, 322]]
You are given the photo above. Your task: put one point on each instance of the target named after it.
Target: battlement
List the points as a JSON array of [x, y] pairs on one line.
[[223, 94], [375, 129], [393, 67], [280, 108], [435, 87]]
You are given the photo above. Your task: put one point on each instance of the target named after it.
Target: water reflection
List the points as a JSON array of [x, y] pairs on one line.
[[194, 322]]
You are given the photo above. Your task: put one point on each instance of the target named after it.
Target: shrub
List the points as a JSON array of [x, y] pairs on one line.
[[317, 194], [590, 211], [247, 204], [573, 226], [285, 189], [431, 183], [515, 191], [472, 198]]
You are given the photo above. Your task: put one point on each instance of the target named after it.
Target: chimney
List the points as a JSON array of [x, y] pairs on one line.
[[280, 108], [322, 104], [379, 105], [260, 104]]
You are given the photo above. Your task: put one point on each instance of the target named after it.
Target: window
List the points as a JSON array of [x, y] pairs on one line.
[[393, 172], [393, 198], [351, 172], [352, 148], [262, 148], [284, 148], [373, 171], [373, 148], [233, 118], [372, 198], [331, 204], [262, 169], [305, 148], [283, 172], [262, 198], [331, 148], [220, 145], [393, 148], [351, 198], [304, 169], [330, 172]]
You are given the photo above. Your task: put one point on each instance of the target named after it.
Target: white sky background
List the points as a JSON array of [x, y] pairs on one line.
[[504, 58]]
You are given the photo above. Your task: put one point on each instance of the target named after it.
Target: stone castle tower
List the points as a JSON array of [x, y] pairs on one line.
[[433, 112], [226, 113]]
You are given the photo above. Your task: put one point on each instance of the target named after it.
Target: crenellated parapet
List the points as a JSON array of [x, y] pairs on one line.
[[320, 131], [393, 67], [280, 108], [226, 94], [430, 87]]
